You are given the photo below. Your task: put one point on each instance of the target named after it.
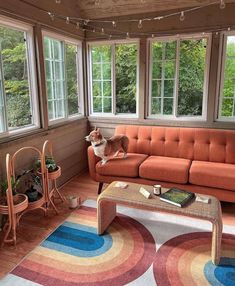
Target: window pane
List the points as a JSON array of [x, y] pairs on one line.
[[107, 104], [97, 104], [107, 88], [191, 77], [164, 70], [51, 113], [168, 106], [169, 88], [157, 70], [101, 78], [16, 82], [156, 105], [156, 88], [227, 107], [126, 77], [72, 78], [228, 91], [54, 66]]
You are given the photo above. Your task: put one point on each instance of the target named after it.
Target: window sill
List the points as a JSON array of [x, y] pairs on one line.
[[61, 122]]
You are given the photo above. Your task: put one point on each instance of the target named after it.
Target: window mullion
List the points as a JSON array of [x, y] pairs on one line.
[[176, 91], [65, 79], [113, 79], [163, 78], [5, 123]]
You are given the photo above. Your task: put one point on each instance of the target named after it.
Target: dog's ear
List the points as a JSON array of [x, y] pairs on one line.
[[98, 130], [95, 128]]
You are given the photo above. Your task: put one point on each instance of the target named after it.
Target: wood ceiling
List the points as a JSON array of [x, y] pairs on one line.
[[115, 8]]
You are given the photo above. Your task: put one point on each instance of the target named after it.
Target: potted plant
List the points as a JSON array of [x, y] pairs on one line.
[[4, 186], [54, 171], [31, 185]]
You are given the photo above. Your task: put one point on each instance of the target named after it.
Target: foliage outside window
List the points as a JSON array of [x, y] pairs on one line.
[[178, 76], [17, 97], [227, 98], [113, 78], [62, 77]]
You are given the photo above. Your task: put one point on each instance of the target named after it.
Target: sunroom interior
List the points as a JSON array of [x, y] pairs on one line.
[[69, 67]]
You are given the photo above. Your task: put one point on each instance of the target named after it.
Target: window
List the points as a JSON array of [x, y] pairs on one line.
[[62, 63], [18, 98], [113, 73], [178, 76], [227, 92]]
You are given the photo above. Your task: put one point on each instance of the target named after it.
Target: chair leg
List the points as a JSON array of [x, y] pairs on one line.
[[100, 188]]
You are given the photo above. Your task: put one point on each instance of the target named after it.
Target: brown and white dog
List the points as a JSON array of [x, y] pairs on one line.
[[106, 148]]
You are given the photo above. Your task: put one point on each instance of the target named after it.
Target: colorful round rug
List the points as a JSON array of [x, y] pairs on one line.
[[75, 255], [186, 260]]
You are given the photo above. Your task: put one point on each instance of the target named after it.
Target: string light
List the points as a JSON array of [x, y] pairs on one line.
[[52, 16], [110, 37], [222, 4], [81, 22], [140, 25], [182, 16]]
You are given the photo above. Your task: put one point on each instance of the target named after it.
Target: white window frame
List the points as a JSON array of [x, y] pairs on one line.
[[32, 78], [177, 38], [113, 78], [221, 70], [78, 43]]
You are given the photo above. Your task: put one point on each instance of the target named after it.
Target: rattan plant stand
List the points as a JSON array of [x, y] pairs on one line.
[[52, 190], [130, 196]]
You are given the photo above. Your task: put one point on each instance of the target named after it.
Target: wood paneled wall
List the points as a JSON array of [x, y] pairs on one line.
[[69, 148]]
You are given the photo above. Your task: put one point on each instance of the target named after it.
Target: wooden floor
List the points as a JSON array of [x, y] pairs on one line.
[[35, 227]]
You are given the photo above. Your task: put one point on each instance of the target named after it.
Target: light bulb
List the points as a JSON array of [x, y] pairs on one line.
[[127, 35], [182, 17], [110, 37], [140, 25], [229, 29], [102, 31], [93, 30], [67, 20], [86, 22], [114, 24], [52, 16], [57, 1], [77, 25], [152, 35], [222, 4]]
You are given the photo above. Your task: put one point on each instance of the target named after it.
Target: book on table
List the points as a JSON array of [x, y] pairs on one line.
[[177, 197]]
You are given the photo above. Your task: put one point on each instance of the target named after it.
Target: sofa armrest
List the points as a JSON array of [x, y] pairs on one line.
[[92, 161]]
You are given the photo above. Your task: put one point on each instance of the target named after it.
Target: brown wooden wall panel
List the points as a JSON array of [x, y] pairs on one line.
[[68, 146]]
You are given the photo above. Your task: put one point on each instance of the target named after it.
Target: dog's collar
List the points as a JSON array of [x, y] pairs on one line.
[[99, 144]]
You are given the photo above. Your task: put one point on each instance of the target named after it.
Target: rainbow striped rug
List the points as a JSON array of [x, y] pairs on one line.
[[139, 248]]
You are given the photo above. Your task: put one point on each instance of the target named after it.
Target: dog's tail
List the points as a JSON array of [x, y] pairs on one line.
[[125, 143]]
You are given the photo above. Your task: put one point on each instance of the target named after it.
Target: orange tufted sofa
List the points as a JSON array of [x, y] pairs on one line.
[[194, 159]]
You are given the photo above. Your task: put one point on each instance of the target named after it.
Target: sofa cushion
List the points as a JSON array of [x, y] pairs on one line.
[[128, 167], [216, 175], [166, 169]]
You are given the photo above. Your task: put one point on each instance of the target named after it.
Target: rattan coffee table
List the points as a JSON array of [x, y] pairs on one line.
[[130, 196]]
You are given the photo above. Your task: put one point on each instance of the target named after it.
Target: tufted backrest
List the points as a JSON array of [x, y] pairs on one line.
[[212, 145]]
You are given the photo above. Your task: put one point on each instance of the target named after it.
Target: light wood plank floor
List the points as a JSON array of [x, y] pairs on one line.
[[35, 227]]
